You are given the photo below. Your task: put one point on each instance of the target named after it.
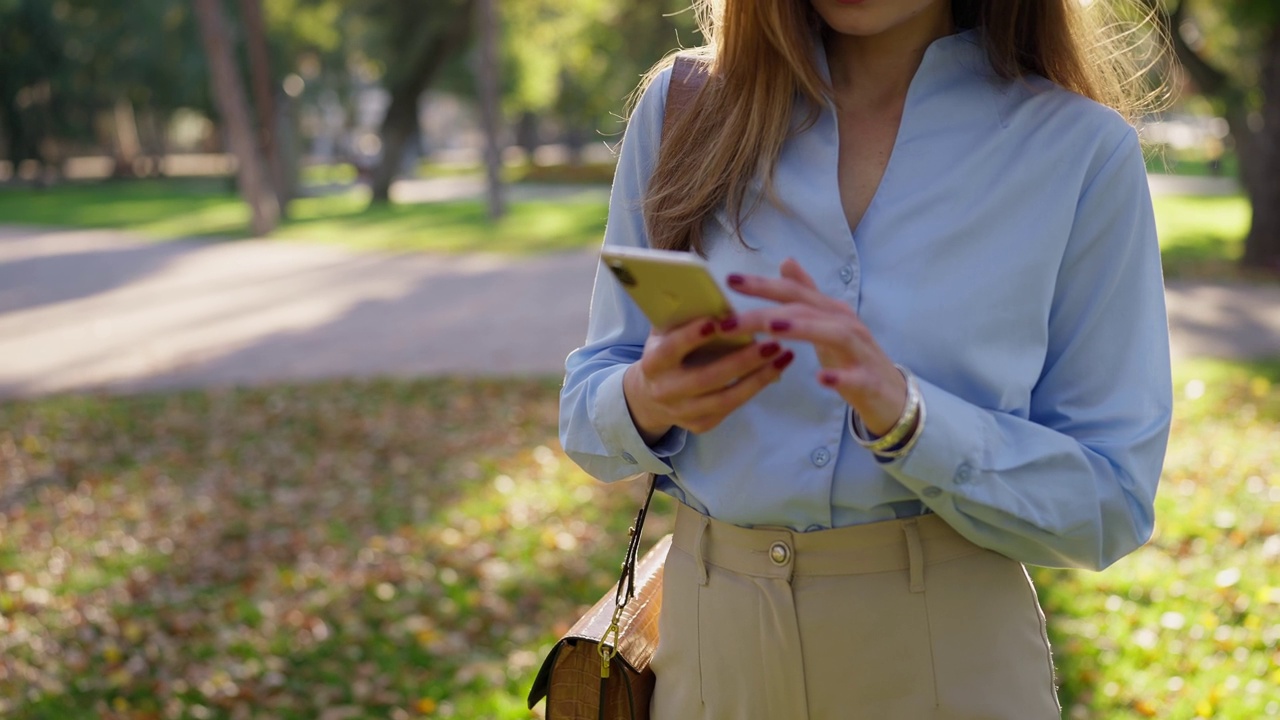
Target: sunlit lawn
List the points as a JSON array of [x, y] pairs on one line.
[[1195, 164], [1201, 236], [409, 549], [206, 208]]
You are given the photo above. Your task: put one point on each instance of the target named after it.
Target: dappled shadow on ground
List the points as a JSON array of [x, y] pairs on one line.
[[1223, 320], [267, 312], [45, 267], [382, 547], [223, 314], [403, 317]]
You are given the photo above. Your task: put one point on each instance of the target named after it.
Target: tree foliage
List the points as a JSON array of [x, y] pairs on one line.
[[66, 61], [1231, 51], [601, 49]]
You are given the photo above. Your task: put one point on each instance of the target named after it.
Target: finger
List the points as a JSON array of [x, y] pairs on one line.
[[856, 379], [880, 397], [670, 348], [723, 372], [826, 333], [761, 320], [792, 270], [782, 290], [708, 410]]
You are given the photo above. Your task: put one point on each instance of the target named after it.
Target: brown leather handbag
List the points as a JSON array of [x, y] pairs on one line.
[[600, 668]]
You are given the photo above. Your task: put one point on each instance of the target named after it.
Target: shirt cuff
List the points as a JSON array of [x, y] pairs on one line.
[[949, 451], [619, 434]]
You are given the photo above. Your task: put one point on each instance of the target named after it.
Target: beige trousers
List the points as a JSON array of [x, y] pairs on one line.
[[902, 619]]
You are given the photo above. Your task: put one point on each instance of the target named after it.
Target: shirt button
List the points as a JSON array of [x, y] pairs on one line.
[[846, 274], [963, 474], [780, 553], [820, 457], [932, 492], [629, 458]]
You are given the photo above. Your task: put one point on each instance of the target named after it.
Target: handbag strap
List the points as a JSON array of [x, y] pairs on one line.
[[689, 75], [627, 582]]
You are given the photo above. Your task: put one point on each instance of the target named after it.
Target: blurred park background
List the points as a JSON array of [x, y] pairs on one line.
[[197, 529]]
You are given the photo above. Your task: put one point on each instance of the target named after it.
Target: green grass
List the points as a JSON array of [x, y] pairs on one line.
[[1190, 163], [171, 209], [411, 549], [1189, 625], [342, 173], [1200, 236]]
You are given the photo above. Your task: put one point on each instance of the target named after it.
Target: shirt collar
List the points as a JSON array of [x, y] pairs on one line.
[[947, 61]]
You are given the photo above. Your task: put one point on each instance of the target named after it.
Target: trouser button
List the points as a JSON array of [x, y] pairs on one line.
[[779, 553]]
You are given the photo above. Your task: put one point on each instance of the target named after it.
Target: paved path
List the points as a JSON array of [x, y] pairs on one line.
[[101, 310]]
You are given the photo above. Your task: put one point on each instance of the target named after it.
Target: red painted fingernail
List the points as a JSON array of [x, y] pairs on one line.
[[728, 324], [736, 279], [709, 328], [780, 325], [828, 379], [768, 350], [782, 362]]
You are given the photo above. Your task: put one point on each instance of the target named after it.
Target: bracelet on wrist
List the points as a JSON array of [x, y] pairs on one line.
[[909, 443], [900, 438]]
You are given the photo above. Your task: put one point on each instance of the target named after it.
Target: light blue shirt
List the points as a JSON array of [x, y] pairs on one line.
[[1009, 259]]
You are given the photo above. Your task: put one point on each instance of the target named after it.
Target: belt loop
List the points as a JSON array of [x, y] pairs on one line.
[[915, 554], [699, 550]]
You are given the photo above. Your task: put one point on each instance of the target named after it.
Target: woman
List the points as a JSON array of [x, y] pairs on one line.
[[942, 242]]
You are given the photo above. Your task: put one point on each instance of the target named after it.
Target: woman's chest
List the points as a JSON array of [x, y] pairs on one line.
[[952, 263], [865, 148]]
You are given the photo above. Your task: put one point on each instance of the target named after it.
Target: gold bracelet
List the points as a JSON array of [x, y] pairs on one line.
[[907, 421], [911, 441]]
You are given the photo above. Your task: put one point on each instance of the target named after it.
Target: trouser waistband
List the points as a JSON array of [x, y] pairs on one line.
[[903, 544]]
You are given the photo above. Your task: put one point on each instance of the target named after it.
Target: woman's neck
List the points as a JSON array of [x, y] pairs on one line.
[[874, 71]]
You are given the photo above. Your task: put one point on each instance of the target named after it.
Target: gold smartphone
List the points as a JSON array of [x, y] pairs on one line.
[[673, 288]]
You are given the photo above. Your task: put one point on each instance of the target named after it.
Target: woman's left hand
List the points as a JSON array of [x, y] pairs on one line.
[[853, 364]]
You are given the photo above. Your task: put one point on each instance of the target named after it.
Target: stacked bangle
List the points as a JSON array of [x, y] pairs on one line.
[[903, 435]]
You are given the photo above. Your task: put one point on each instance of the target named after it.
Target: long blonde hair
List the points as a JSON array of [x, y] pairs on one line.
[[760, 59]]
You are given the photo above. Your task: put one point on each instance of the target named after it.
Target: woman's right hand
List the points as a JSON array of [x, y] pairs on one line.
[[662, 392]]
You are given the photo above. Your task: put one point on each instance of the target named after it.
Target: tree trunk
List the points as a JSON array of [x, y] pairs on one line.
[[399, 123], [127, 144], [527, 134], [287, 148], [1262, 248], [435, 37], [229, 96], [255, 34], [156, 143], [17, 148], [1258, 149], [490, 101]]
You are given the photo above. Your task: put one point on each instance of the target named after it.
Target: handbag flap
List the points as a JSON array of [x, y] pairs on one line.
[[638, 630]]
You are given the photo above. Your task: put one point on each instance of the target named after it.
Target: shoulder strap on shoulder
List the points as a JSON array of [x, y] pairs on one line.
[[688, 76]]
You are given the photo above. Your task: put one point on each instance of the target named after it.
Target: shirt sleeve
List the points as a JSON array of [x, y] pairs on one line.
[[1074, 483], [596, 429]]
